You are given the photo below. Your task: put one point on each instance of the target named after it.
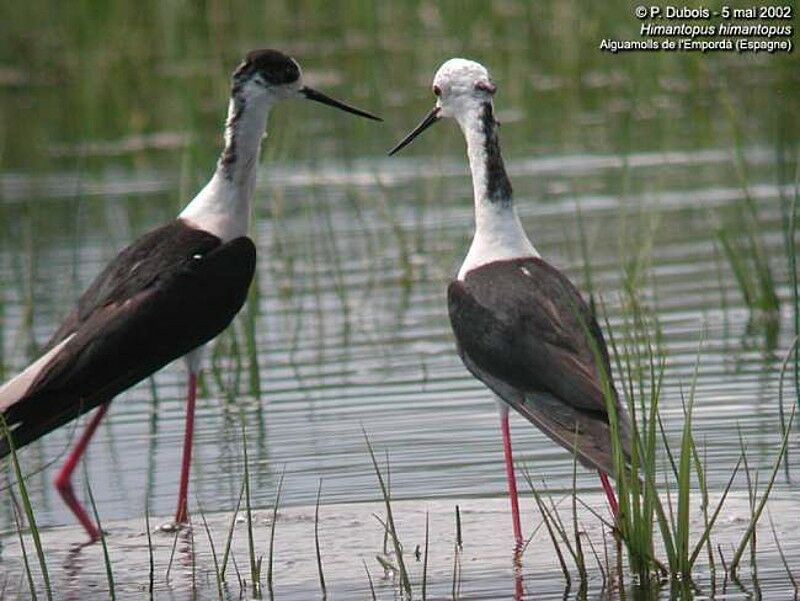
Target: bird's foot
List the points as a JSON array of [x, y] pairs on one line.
[[173, 526], [94, 536]]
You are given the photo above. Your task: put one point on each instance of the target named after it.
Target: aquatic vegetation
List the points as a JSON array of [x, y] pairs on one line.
[[113, 133], [29, 515], [255, 562], [106, 557], [389, 525], [322, 587], [217, 572], [273, 525], [789, 215]]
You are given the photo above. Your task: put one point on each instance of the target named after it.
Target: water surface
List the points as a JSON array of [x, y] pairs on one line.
[[624, 169]]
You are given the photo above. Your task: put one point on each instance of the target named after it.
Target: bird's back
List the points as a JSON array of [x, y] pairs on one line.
[[523, 329]]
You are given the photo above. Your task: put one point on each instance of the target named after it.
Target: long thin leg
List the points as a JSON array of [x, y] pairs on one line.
[[609, 490], [182, 514], [63, 480], [510, 477]]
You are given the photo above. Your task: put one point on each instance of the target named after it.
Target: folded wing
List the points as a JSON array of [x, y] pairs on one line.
[[149, 307], [523, 329]]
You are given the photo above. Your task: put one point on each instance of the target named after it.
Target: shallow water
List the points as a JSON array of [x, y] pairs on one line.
[[481, 567], [628, 164]]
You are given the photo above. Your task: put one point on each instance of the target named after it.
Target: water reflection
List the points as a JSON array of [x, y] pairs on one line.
[[347, 323]]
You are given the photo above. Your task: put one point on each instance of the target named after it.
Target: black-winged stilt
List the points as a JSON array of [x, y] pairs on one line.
[[164, 296], [521, 327]]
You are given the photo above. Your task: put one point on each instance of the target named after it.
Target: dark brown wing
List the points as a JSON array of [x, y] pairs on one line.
[[586, 434], [523, 324], [133, 331], [135, 268]]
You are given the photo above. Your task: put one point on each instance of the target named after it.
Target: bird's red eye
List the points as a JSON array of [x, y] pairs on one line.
[[437, 90], [486, 86]]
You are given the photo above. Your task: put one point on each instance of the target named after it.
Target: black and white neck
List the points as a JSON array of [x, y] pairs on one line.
[[223, 206], [498, 231], [264, 78]]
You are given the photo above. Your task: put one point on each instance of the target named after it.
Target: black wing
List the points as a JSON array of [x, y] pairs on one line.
[[135, 268], [126, 328], [523, 329]]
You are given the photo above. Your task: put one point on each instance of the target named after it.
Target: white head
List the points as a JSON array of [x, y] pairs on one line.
[[269, 75], [461, 88]]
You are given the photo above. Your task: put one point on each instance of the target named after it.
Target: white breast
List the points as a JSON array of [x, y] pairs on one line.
[[498, 237], [220, 208]]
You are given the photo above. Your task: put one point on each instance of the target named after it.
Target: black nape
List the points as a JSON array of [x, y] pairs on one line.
[[497, 183]]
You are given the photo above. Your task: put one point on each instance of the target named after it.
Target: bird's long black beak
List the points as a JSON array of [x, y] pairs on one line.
[[429, 120], [312, 94]]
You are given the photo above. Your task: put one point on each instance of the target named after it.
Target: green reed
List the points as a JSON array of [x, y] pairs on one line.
[[28, 507], [320, 571], [272, 528], [789, 213], [255, 563], [743, 240], [389, 525], [151, 571], [106, 557], [212, 546], [23, 550], [229, 540]]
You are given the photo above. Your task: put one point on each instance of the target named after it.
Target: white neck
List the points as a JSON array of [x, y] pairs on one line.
[[222, 207], [498, 231]]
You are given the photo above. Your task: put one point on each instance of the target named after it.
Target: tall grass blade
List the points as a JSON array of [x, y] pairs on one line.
[[106, 558], [579, 558], [783, 556], [151, 565], [459, 536], [425, 560], [734, 565], [389, 494], [684, 478], [28, 573], [231, 529], [784, 365], [456, 582], [321, 572], [710, 523], [398, 549], [172, 553], [371, 584], [272, 529], [549, 525], [255, 565], [792, 250], [458, 546], [558, 524], [213, 547], [598, 560], [26, 504]]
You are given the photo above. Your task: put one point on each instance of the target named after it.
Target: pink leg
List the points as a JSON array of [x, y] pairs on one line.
[[612, 499], [182, 514], [512, 480], [63, 480]]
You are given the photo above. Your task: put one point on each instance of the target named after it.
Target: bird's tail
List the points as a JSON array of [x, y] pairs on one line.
[[586, 434], [16, 400]]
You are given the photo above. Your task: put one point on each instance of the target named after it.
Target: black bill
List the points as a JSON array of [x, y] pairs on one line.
[[429, 120], [312, 94]]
